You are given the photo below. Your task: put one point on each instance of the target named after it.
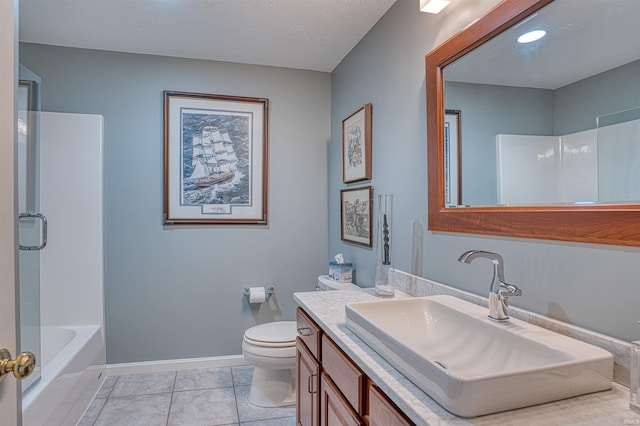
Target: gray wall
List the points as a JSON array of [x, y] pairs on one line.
[[177, 293], [578, 105], [593, 286]]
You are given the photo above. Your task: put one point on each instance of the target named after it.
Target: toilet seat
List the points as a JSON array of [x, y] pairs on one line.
[[274, 339], [268, 352], [272, 334], [269, 344]]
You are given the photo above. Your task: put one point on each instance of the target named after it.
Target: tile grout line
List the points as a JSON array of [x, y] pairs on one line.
[[235, 396], [106, 399], [173, 388], [112, 387]]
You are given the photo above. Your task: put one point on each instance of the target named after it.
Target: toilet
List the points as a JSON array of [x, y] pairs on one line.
[[326, 284], [271, 349]]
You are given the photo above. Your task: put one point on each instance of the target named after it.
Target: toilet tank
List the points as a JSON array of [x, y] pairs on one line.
[[325, 283]]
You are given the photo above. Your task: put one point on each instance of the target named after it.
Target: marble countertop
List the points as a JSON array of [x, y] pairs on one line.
[[327, 309]]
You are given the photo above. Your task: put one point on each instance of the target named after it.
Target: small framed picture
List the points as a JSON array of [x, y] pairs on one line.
[[356, 146], [356, 206], [215, 159]]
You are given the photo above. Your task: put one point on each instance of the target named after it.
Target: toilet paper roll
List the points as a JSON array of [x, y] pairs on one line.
[[257, 295]]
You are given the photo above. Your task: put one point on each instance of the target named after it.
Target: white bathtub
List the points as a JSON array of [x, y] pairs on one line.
[[72, 369]]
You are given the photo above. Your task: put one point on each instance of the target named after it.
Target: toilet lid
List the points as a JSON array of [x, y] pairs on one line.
[[273, 332]]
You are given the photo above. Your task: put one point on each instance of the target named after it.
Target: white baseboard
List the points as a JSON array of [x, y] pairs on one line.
[[175, 365]]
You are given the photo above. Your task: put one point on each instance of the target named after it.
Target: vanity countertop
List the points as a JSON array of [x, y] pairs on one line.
[[327, 308]]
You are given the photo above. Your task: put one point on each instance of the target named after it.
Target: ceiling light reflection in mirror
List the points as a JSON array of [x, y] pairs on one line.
[[433, 6], [531, 36], [555, 121]]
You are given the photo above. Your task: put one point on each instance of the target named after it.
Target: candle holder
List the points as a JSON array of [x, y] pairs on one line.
[[634, 402], [383, 288]]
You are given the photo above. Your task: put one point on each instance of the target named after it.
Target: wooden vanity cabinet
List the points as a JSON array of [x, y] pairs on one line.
[[332, 390], [308, 370]]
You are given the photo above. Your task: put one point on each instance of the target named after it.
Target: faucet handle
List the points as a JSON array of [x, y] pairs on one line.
[[508, 290]]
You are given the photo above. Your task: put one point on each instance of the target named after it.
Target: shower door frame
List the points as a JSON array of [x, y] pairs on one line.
[[31, 223], [10, 406]]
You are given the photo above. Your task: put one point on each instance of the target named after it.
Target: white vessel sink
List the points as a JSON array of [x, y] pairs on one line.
[[472, 365]]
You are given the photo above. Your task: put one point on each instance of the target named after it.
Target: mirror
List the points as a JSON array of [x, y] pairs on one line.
[[559, 162], [545, 119]]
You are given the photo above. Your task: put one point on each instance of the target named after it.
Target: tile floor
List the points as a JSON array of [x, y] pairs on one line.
[[205, 397]]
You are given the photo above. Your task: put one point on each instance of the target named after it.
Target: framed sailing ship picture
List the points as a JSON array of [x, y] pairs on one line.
[[355, 210], [356, 146], [215, 159]]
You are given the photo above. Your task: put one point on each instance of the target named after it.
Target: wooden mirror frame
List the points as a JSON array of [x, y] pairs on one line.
[[617, 224]]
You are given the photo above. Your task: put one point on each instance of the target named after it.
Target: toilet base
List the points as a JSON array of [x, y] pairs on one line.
[[273, 388]]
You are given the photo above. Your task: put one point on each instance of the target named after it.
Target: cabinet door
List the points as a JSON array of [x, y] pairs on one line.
[[308, 390], [383, 412], [334, 409]]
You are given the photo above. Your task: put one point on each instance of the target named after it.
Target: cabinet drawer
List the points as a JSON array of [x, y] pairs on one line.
[[335, 410], [383, 412], [309, 333], [345, 374]]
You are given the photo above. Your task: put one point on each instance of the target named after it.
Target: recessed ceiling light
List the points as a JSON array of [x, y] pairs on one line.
[[433, 6], [531, 36]]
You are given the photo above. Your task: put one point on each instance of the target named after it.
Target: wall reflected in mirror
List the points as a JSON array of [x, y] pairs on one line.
[[554, 121]]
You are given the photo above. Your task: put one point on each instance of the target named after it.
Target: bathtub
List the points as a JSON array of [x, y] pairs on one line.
[[72, 369]]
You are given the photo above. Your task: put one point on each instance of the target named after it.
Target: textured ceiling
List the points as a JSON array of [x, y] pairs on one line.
[[304, 34], [584, 38]]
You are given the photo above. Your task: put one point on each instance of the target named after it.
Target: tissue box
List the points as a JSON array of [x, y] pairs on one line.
[[340, 272]]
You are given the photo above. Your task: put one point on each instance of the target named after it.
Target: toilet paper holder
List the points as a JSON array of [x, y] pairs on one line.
[[269, 290]]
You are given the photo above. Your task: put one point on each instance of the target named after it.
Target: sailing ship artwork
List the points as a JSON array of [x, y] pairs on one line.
[[216, 148], [215, 162]]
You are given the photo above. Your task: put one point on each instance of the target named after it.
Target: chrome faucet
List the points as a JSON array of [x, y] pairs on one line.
[[500, 291]]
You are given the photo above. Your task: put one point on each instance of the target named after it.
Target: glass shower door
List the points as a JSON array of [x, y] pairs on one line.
[[32, 224], [618, 147]]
